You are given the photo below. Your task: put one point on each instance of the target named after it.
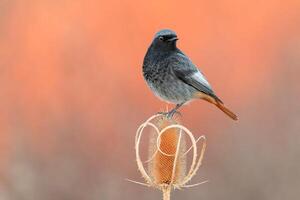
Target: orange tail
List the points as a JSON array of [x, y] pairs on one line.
[[226, 111], [218, 103]]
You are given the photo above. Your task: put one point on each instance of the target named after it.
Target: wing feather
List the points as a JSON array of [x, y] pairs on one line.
[[186, 71]]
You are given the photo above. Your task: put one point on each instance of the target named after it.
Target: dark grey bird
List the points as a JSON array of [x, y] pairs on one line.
[[173, 77]]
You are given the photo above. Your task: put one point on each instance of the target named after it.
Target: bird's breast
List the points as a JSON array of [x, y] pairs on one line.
[[167, 86]]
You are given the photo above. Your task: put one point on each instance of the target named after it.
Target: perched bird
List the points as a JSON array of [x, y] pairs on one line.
[[173, 77]]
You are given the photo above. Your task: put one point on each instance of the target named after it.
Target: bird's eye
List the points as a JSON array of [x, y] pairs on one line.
[[161, 38]]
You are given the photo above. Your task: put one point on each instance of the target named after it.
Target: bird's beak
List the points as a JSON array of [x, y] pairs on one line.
[[173, 39]]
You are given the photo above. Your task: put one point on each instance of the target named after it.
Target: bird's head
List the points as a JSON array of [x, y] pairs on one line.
[[165, 40]]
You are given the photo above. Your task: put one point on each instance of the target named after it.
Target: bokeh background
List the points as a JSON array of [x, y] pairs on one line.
[[72, 96]]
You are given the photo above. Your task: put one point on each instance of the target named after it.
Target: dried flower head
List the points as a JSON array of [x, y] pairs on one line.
[[167, 158]]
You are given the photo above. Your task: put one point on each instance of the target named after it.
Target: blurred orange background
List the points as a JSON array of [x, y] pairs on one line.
[[72, 95]]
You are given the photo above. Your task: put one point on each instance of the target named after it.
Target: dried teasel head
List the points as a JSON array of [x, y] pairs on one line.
[[167, 158]]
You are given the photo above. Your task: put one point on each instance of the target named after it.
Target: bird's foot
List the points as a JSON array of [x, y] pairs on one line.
[[163, 113], [170, 114]]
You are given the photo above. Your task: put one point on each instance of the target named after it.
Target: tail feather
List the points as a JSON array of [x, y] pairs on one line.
[[216, 101], [228, 112]]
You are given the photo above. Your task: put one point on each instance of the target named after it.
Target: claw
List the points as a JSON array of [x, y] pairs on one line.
[[168, 115], [163, 113], [171, 113]]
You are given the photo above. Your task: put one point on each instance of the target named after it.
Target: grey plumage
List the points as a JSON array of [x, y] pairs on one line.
[[171, 75]]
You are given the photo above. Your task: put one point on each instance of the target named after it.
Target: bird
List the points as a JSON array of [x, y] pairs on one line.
[[173, 77]]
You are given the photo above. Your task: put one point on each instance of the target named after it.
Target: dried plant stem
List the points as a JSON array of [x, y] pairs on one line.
[[166, 193]]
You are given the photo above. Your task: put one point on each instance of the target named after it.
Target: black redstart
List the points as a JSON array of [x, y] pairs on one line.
[[173, 77]]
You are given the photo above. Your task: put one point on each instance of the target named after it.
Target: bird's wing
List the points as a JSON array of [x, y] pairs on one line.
[[187, 72]]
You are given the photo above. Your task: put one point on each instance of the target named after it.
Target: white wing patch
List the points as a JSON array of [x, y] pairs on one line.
[[200, 77]]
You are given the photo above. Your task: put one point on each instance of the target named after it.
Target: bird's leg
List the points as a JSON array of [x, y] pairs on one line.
[[171, 113]]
